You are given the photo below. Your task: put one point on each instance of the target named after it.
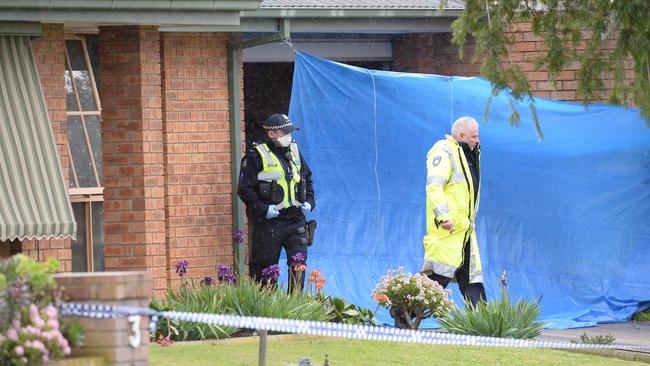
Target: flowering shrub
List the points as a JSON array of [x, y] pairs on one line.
[[30, 332], [230, 295], [412, 297]]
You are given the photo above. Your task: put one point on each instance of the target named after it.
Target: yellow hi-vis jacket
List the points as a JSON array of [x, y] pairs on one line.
[[273, 171], [450, 196]]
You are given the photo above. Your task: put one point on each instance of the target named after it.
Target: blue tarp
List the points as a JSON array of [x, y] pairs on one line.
[[566, 217]]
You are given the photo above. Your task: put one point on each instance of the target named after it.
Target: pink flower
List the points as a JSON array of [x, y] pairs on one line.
[[51, 312], [47, 335], [12, 334], [37, 344], [53, 323], [19, 351], [32, 330], [45, 358], [62, 341], [38, 322]]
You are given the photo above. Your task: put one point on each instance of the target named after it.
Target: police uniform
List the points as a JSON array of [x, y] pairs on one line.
[[453, 193], [275, 176]]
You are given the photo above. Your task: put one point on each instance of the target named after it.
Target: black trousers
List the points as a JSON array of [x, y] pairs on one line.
[[268, 239]]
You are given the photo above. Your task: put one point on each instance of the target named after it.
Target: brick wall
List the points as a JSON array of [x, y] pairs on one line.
[[133, 151], [165, 146], [49, 53], [197, 152], [431, 53], [434, 53]]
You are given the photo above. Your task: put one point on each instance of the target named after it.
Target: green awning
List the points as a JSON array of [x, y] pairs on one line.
[[34, 203]]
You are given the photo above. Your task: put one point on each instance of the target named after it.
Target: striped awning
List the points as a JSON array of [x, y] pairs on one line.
[[34, 203]]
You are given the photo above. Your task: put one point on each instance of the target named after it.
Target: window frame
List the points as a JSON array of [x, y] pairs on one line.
[[85, 195]]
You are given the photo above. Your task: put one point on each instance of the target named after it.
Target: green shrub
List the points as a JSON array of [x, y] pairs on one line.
[[196, 300], [245, 298], [499, 318], [342, 311], [597, 339], [251, 299]]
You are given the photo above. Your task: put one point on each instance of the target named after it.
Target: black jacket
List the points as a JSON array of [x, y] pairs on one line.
[[247, 189], [473, 162]]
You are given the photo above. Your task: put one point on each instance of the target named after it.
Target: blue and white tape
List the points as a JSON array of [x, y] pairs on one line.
[[327, 329]]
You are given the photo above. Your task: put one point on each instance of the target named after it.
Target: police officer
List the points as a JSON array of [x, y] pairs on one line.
[[276, 186], [452, 197]]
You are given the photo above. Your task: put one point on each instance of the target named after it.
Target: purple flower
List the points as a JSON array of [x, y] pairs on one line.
[[238, 236], [207, 281], [231, 279], [226, 275], [298, 259], [271, 273], [222, 272], [181, 267]]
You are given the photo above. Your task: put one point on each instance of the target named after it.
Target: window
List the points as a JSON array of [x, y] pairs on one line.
[[85, 152]]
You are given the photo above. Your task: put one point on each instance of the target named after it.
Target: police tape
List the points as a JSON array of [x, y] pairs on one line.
[[327, 329]]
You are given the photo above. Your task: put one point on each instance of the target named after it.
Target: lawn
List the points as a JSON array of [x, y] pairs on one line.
[[286, 350]]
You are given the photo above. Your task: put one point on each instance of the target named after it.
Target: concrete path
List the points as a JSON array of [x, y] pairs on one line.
[[637, 333], [629, 333]]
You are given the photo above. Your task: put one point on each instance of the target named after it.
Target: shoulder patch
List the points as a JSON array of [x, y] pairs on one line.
[[436, 161]]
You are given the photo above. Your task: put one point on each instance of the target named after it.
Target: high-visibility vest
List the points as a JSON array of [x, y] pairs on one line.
[[450, 196], [273, 171]]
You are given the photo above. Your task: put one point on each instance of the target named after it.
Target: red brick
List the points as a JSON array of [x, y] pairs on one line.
[[432, 53], [521, 27], [525, 46], [130, 63], [567, 95]]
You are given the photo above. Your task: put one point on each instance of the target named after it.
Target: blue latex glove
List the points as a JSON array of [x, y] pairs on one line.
[[305, 208], [272, 212]]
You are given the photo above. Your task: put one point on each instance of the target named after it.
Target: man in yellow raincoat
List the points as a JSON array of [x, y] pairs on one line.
[[453, 193]]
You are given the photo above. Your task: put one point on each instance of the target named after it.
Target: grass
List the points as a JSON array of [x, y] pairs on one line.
[[287, 350]]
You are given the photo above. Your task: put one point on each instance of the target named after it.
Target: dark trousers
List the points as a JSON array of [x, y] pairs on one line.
[[268, 239]]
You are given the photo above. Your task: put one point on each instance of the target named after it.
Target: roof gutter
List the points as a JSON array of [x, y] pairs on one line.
[[114, 5], [292, 13], [119, 12]]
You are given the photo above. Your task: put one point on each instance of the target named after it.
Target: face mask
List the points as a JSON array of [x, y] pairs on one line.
[[284, 141]]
